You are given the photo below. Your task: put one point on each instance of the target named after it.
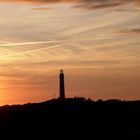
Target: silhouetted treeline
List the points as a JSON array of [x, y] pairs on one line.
[[72, 119]]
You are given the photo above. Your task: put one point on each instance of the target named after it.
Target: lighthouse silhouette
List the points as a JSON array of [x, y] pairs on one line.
[[61, 85]]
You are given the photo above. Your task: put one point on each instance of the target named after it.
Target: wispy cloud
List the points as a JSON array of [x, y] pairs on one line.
[[41, 9], [131, 31], [98, 5], [40, 1], [102, 4], [92, 4], [135, 30]]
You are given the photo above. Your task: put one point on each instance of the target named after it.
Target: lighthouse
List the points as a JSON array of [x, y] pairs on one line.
[[61, 85]]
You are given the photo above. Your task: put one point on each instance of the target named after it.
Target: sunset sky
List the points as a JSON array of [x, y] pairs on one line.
[[95, 42]]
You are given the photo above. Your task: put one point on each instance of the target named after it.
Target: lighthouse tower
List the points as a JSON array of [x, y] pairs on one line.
[[61, 85]]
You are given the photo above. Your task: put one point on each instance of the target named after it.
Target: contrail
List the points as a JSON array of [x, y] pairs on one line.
[[45, 42], [19, 53], [27, 43]]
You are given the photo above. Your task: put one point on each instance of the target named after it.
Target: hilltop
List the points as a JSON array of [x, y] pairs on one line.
[[75, 118]]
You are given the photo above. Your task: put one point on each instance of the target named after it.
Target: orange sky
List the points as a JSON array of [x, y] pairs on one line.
[[96, 43]]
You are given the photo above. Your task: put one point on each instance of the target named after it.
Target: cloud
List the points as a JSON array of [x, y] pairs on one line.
[[91, 3], [135, 30], [97, 5], [100, 4], [40, 1], [131, 31], [85, 4], [127, 10], [41, 9]]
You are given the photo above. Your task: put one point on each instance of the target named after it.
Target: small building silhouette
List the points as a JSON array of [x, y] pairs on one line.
[[61, 85]]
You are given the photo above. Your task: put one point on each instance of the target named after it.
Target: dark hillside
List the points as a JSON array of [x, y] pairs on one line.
[[76, 118]]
